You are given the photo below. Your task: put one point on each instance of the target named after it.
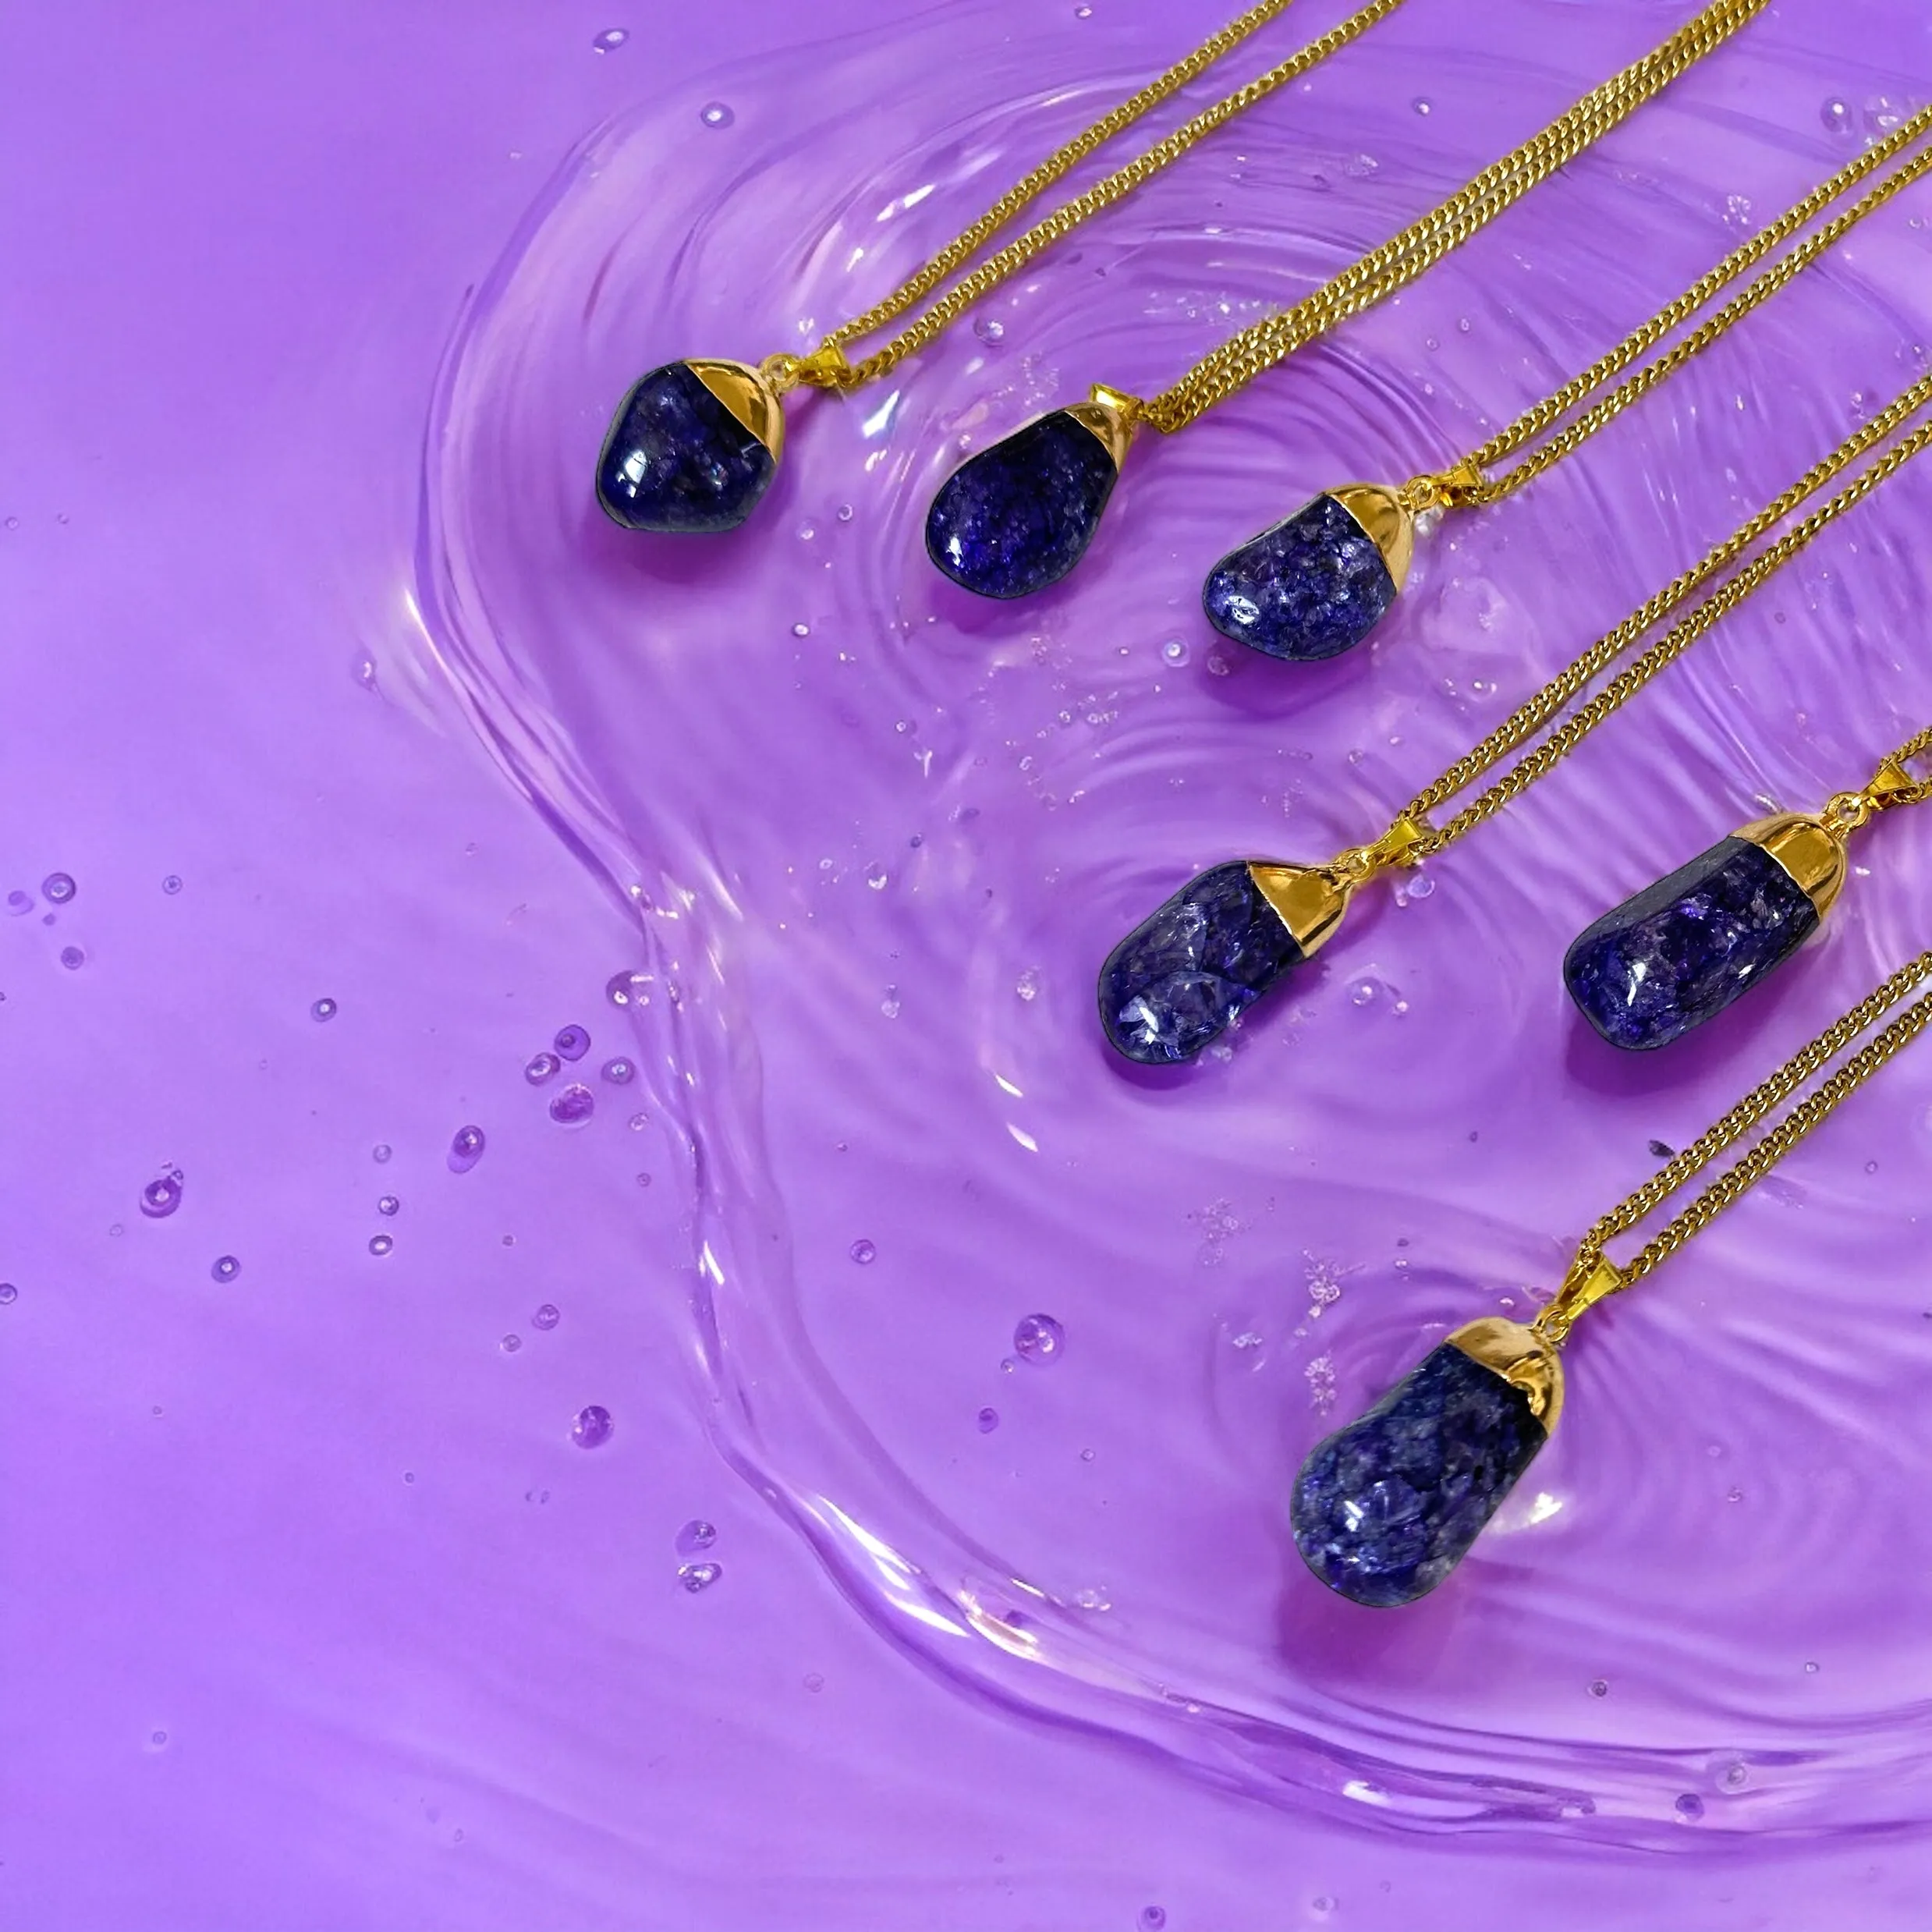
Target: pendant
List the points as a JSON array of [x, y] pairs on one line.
[[1383, 1509], [1681, 950], [1181, 978], [693, 448], [1018, 517], [1319, 582]]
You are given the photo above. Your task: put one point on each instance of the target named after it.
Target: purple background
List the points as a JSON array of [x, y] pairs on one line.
[[315, 1616]]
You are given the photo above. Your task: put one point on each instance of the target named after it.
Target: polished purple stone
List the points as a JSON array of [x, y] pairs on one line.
[[677, 461], [1313, 587], [1383, 1509], [1183, 975], [1681, 950], [1020, 515]]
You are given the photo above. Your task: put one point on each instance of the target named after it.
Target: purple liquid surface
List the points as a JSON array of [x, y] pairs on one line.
[[852, 845]]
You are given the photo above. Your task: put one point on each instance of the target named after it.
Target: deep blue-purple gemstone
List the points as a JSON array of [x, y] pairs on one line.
[[1383, 1509], [1181, 978], [1312, 587], [677, 461], [1018, 517], [1683, 949]]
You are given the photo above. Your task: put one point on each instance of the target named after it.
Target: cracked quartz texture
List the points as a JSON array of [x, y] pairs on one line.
[[1383, 1509], [1312, 587], [1185, 974], [1018, 517], [678, 462], [1681, 950]]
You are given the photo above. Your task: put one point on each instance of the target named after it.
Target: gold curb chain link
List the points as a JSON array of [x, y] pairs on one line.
[[1592, 1275], [1467, 482], [827, 365], [1398, 261]]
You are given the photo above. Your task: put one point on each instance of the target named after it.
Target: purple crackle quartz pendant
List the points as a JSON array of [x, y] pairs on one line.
[[1187, 973], [1018, 517], [1383, 1509], [693, 447], [1678, 952], [1319, 582]]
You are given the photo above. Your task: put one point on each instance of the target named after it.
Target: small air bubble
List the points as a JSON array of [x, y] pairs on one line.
[[989, 1420], [1599, 1688], [546, 1317], [171, 883], [697, 1576], [876, 876], [19, 902], [864, 1252], [57, 889], [628, 989], [890, 1005], [381, 1244], [592, 1428], [639, 1122], [465, 1150], [72, 958], [161, 1196], [1690, 1807], [610, 39], [988, 329], [541, 1067], [380, 1151], [1811, 1670], [8, 1294], [716, 114], [510, 1344], [1837, 116], [812, 1682], [1152, 1919], [1175, 651], [323, 1009], [1027, 985], [572, 1042], [389, 1204], [226, 1269], [620, 1071], [1421, 105], [695, 1537]]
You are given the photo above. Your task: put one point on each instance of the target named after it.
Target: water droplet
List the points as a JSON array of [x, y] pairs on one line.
[[157, 1739], [876, 876], [812, 1682], [1837, 116], [465, 1149], [1421, 886], [1598, 1688], [1083, 12], [541, 1067], [697, 1576], [987, 329], [1027, 985], [380, 1151], [573, 1106], [381, 1244], [628, 989], [610, 39], [226, 1269], [989, 1420], [323, 1009], [171, 883], [1736, 1776], [72, 958], [716, 114], [58, 888], [1811, 1670], [161, 1196], [890, 1005], [639, 1122], [696, 1536], [620, 1071], [8, 1294], [546, 1317], [1038, 1339], [1884, 114], [1366, 991], [592, 1428], [510, 1344], [1152, 1919], [1175, 651], [389, 1204], [572, 1042], [844, 512], [1690, 1807], [1422, 105], [864, 1252], [364, 671], [19, 902], [1322, 1906]]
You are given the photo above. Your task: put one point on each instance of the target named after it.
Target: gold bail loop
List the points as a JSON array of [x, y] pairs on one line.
[[824, 368], [1397, 846], [1455, 488], [1891, 784], [1592, 1276]]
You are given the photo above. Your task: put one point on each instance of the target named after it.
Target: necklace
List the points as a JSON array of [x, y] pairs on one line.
[[1020, 515], [1679, 953], [695, 443], [1383, 1509], [1318, 583], [1187, 973]]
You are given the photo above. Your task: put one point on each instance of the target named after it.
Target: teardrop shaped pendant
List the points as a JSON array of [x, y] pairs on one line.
[[1383, 1509], [1189, 970], [692, 448], [1678, 953], [1020, 515], [1318, 583]]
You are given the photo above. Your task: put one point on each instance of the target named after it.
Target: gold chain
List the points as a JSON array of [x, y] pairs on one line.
[[827, 367], [1467, 483], [1592, 1275], [1535, 712], [1238, 360]]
